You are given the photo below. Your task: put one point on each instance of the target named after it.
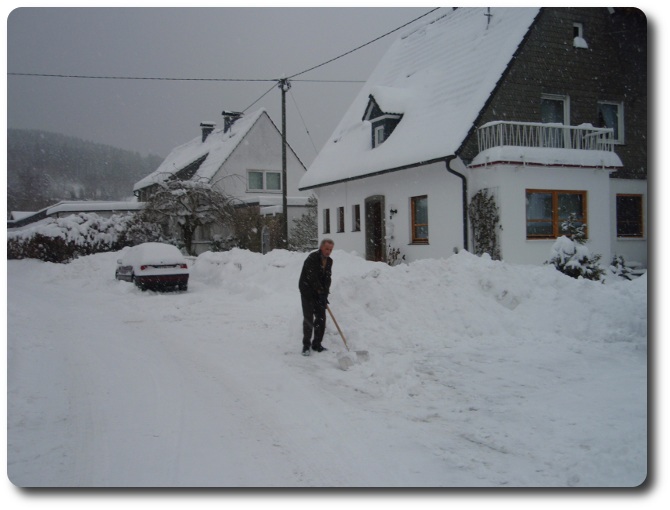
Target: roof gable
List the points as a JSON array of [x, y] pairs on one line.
[[201, 160], [440, 75]]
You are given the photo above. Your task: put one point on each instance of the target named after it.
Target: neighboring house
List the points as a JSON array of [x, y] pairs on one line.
[[543, 109], [243, 160], [68, 207]]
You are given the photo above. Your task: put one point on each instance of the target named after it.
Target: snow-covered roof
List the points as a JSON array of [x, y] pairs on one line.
[[217, 147], [93, 206], [273, 200], [440, 75], [19, 215]]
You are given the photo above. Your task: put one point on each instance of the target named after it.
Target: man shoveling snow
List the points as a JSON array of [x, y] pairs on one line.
[[314, 288]]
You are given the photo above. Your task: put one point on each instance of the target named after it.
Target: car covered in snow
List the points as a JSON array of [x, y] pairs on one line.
[[156, 266]]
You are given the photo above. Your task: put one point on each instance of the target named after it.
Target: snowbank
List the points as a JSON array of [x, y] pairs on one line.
[[480, 373]]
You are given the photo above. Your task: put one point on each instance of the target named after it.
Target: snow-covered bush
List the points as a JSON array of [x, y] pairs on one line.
[[64, 239], [570, 255], [394, 257], [619, 268]]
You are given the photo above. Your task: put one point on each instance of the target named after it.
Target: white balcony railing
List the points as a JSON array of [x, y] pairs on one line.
[[534, 134]]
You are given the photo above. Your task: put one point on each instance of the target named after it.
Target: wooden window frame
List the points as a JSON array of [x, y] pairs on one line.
[[640, 221], [415, 225], [555, 220]]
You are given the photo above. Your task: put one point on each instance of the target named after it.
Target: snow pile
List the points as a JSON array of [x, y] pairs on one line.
[[480, 373]]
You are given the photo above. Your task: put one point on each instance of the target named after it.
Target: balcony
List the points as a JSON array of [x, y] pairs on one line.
[[544, 136]]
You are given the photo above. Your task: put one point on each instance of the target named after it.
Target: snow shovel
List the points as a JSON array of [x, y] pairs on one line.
[[345, 360]]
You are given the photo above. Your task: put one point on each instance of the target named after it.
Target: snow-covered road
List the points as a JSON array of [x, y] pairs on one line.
[[494, 375]]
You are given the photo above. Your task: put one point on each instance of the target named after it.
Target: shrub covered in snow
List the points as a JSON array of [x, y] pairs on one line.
[[574, 259], [64, 239]]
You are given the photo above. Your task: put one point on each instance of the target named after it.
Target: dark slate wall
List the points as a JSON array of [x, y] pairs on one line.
[[613, 68]]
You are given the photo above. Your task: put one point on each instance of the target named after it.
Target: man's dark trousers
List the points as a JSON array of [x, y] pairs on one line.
[[313, 319]]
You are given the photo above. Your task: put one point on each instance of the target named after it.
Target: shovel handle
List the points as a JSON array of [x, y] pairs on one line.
[[337, 326]]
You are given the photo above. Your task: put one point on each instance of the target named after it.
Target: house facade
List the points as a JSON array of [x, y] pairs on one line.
[[242, 159], [540, 110]]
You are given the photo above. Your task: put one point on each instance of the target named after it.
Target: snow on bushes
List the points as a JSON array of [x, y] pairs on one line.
[[64, 239]]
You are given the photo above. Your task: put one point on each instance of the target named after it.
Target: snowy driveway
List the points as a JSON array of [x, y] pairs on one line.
[[479, 382]]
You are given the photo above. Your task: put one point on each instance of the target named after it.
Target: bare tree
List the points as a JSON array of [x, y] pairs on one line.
[[186, 205]]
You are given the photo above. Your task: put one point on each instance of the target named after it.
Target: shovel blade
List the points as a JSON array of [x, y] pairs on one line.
[[345, 361], [348, 359]]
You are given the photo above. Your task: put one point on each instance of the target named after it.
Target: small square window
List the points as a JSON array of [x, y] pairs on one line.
[[255, 180], [273, 181]]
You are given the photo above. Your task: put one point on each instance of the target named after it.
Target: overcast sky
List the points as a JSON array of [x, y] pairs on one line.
[[154, 116]]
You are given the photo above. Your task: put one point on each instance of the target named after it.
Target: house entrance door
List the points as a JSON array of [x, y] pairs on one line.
[[375, 248]]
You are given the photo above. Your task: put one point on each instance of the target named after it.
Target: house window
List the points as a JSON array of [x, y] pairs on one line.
[[555, 109], [420, 219], [610, 115], [578, 40], [546, 210], [379, 135], [340, 219], [326, 221], [356, 218], [629, 216], [263, 180]]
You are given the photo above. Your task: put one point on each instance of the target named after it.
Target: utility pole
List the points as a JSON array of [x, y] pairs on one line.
[[284, 85]]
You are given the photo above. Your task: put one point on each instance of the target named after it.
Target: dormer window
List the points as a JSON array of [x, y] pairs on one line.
[[379, 136], [384, 112], [578, 40]]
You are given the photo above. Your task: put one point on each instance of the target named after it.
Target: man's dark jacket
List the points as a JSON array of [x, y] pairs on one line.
[[314, 278]]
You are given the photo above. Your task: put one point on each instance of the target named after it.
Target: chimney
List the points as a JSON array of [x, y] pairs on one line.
[[207, 128], [229, 119]]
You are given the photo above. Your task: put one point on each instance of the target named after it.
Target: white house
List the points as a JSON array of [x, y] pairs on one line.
[[501, 101], [243, 159]]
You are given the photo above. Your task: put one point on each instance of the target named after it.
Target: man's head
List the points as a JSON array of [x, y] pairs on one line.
[[326, 247]]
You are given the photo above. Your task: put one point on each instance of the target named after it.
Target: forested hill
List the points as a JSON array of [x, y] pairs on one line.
[[44, 168]]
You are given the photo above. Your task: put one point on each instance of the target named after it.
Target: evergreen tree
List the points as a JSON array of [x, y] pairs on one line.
[[570, 254], [305, 234]]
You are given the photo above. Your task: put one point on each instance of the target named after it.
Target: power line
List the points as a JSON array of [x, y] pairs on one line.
[[158, 78], [303, 123], [243, 80], [265, 94], [363, 45], [138, 77]]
